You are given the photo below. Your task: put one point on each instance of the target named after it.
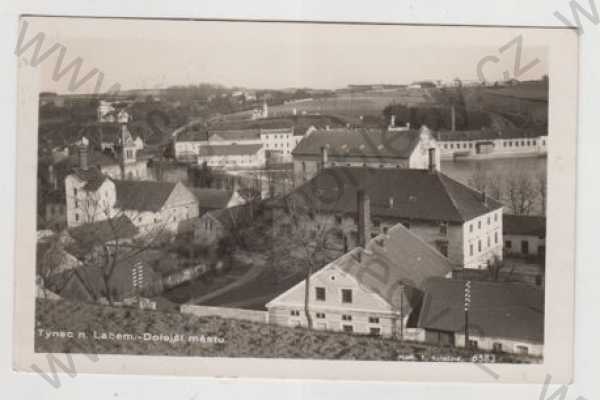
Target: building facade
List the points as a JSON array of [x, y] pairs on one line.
[[371, 290], [482, 144], [371, 148], [462, 223]]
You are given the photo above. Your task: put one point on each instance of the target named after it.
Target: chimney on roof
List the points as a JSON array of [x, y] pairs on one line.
[[431, 160], [364, 217], [392, 121], [324, 157], [453, 118], [484, 197], [83, 157], [391, 202]]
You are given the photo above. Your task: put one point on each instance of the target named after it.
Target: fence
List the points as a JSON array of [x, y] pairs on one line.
[[226, 312]]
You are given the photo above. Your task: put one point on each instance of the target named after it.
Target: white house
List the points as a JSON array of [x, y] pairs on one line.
[[366, 291], [463, 224], [524, 235]]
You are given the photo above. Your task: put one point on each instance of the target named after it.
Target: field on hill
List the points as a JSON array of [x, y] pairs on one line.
[[236, 338]]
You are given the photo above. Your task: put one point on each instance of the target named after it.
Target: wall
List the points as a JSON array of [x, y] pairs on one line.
[[480, 229], [225, 312], [508, 345], [85, 207], [502, 147], [364, 304], [534, 243]]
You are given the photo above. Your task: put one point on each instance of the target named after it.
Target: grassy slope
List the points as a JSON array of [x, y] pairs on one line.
[[242, 339]]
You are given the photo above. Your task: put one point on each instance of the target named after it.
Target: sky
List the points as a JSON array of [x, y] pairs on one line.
[[157, 54]]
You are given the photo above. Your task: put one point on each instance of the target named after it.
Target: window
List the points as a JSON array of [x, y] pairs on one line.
[[478, 224], [472, 344], [470, 227], [76, 204], [348, 328], [373, 320], [74, 191], [346, 317], [295, 313], [76, 217], [508, 244], [443, 246], [338, 219], [496, 237], [320, 315], [489, 220], [346, 295], [495, 217], [479, 246], [374, 331], [443, 228], [497, 347], [525, 247], [471, 249], [522, 349], [320, 293]]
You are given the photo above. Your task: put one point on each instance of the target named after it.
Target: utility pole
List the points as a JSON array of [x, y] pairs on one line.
[[401, 313], [467, 305]]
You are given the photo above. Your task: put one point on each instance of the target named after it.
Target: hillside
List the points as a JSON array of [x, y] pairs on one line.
[[236, 338]]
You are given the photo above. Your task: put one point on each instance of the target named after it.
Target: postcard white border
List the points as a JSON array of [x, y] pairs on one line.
[[559, 328]]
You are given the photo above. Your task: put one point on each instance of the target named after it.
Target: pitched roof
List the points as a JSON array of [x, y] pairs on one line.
[[92, 176], [91, 234], [524, 225], [142, 195], [234, 134], [504, 310], [395, 263], [212, 198], [233, 216], [416, 194], [359, 143], [229, 150]]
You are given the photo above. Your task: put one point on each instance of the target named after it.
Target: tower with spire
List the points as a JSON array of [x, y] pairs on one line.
[[126, 144]]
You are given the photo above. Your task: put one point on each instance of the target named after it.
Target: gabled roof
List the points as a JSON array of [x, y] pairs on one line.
[[524, 225], [370, 143], [212, 198], [92, 176], [504, 310], [234, 134], [229, 150], [395, 263], [233, 216], [142, 195], [88, 235], [417, 194]]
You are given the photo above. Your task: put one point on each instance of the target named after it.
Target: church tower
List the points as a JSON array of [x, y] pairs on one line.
[[126, 145]]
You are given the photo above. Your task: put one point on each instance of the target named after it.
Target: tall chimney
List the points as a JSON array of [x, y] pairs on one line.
[[364, 217], [453, 117], [484, 197], [392, 121], [324, 156], [83, 157], [431, 159]]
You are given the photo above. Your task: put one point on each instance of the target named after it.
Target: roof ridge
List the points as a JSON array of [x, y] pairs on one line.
[[447, 192]]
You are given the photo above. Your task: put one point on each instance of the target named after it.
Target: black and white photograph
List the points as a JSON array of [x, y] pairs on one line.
[[296, 190]]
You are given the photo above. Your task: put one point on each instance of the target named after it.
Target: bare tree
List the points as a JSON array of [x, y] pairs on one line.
[[520, 193], [309, 238], [542, 187], [107, 239]]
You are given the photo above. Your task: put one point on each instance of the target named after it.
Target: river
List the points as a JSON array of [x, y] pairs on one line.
[[530, 167]]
